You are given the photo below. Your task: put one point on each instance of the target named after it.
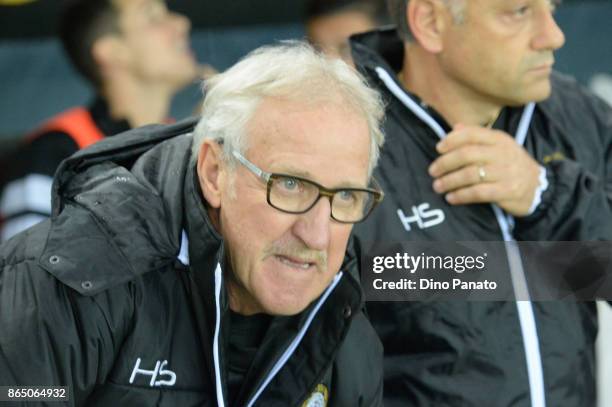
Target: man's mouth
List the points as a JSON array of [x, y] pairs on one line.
[[544, 66], [295, 262]]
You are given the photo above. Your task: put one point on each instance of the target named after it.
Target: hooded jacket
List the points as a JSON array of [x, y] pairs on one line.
[[487, 353], [120, 296]]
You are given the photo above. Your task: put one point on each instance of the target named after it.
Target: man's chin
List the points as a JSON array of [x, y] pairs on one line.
[[285, 308], [542, 94], [539, 90], [534, 93]]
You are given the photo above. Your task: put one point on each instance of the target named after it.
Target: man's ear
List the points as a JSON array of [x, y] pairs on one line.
[[427, 20], [210, 173]]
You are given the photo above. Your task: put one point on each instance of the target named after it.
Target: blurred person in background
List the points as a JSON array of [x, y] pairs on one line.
[[206, 265], [329, 23], [136, 55], [485, 142]]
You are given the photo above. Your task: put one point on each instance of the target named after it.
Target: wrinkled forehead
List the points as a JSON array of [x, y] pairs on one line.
[[327, 143], [328, 121]]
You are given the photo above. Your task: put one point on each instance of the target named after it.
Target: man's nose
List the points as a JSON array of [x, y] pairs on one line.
[[313, 227], [549, 35]]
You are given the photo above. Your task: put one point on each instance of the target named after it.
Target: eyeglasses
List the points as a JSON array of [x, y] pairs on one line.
[[296, 195]]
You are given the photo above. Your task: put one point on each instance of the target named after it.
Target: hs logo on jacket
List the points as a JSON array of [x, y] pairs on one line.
[[166, 376], [422, 216]]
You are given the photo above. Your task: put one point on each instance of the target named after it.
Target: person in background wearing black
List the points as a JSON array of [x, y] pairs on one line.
[[485, 143]]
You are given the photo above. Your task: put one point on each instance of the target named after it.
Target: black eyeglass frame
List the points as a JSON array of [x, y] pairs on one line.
[[269, 178]]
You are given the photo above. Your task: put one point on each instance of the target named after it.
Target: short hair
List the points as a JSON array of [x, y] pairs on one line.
[[373, 8], [397, 14], [82, 23], [291, 70]]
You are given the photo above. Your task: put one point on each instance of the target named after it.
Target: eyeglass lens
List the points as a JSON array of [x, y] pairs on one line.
[[297, 196]]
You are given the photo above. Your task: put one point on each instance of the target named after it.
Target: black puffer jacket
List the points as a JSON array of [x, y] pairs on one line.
[[473, 353], [99, 299]]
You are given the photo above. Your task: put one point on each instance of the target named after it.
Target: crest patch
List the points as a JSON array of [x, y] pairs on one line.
[[318, 398]]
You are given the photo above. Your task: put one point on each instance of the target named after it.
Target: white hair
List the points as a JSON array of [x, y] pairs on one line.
[[291, 70]]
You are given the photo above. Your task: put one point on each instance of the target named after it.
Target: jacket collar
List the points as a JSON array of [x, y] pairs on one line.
[[378, 48], [383, 49], [116, 214]]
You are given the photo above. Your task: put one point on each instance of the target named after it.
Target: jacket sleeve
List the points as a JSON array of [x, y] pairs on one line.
[[577, 204], [52, 336]]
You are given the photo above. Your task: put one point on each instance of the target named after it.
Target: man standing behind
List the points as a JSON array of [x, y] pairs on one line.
[[136, 55], [471, 157], [207, 266]]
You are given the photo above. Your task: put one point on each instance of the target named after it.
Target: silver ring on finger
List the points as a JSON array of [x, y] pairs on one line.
[[482, 174]]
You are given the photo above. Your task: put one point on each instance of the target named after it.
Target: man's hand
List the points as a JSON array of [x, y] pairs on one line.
[[480, 165]]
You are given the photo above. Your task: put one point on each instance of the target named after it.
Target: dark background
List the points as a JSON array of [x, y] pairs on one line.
[[37, 82], [38, 18]]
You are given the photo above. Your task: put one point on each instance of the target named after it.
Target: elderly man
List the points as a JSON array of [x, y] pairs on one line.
[[484, 143], [207, 267]]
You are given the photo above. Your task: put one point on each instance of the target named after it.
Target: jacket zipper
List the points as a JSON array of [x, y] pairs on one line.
[[296, 340], [284, 357], [218, 385]]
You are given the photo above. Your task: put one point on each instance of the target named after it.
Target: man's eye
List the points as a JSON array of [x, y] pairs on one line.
[[289, 184], [346, 196], [521, 11]]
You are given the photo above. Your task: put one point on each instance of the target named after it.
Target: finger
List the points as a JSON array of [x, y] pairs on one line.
[[464, 177], [456, 159], [465, 135], [478, 193]]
